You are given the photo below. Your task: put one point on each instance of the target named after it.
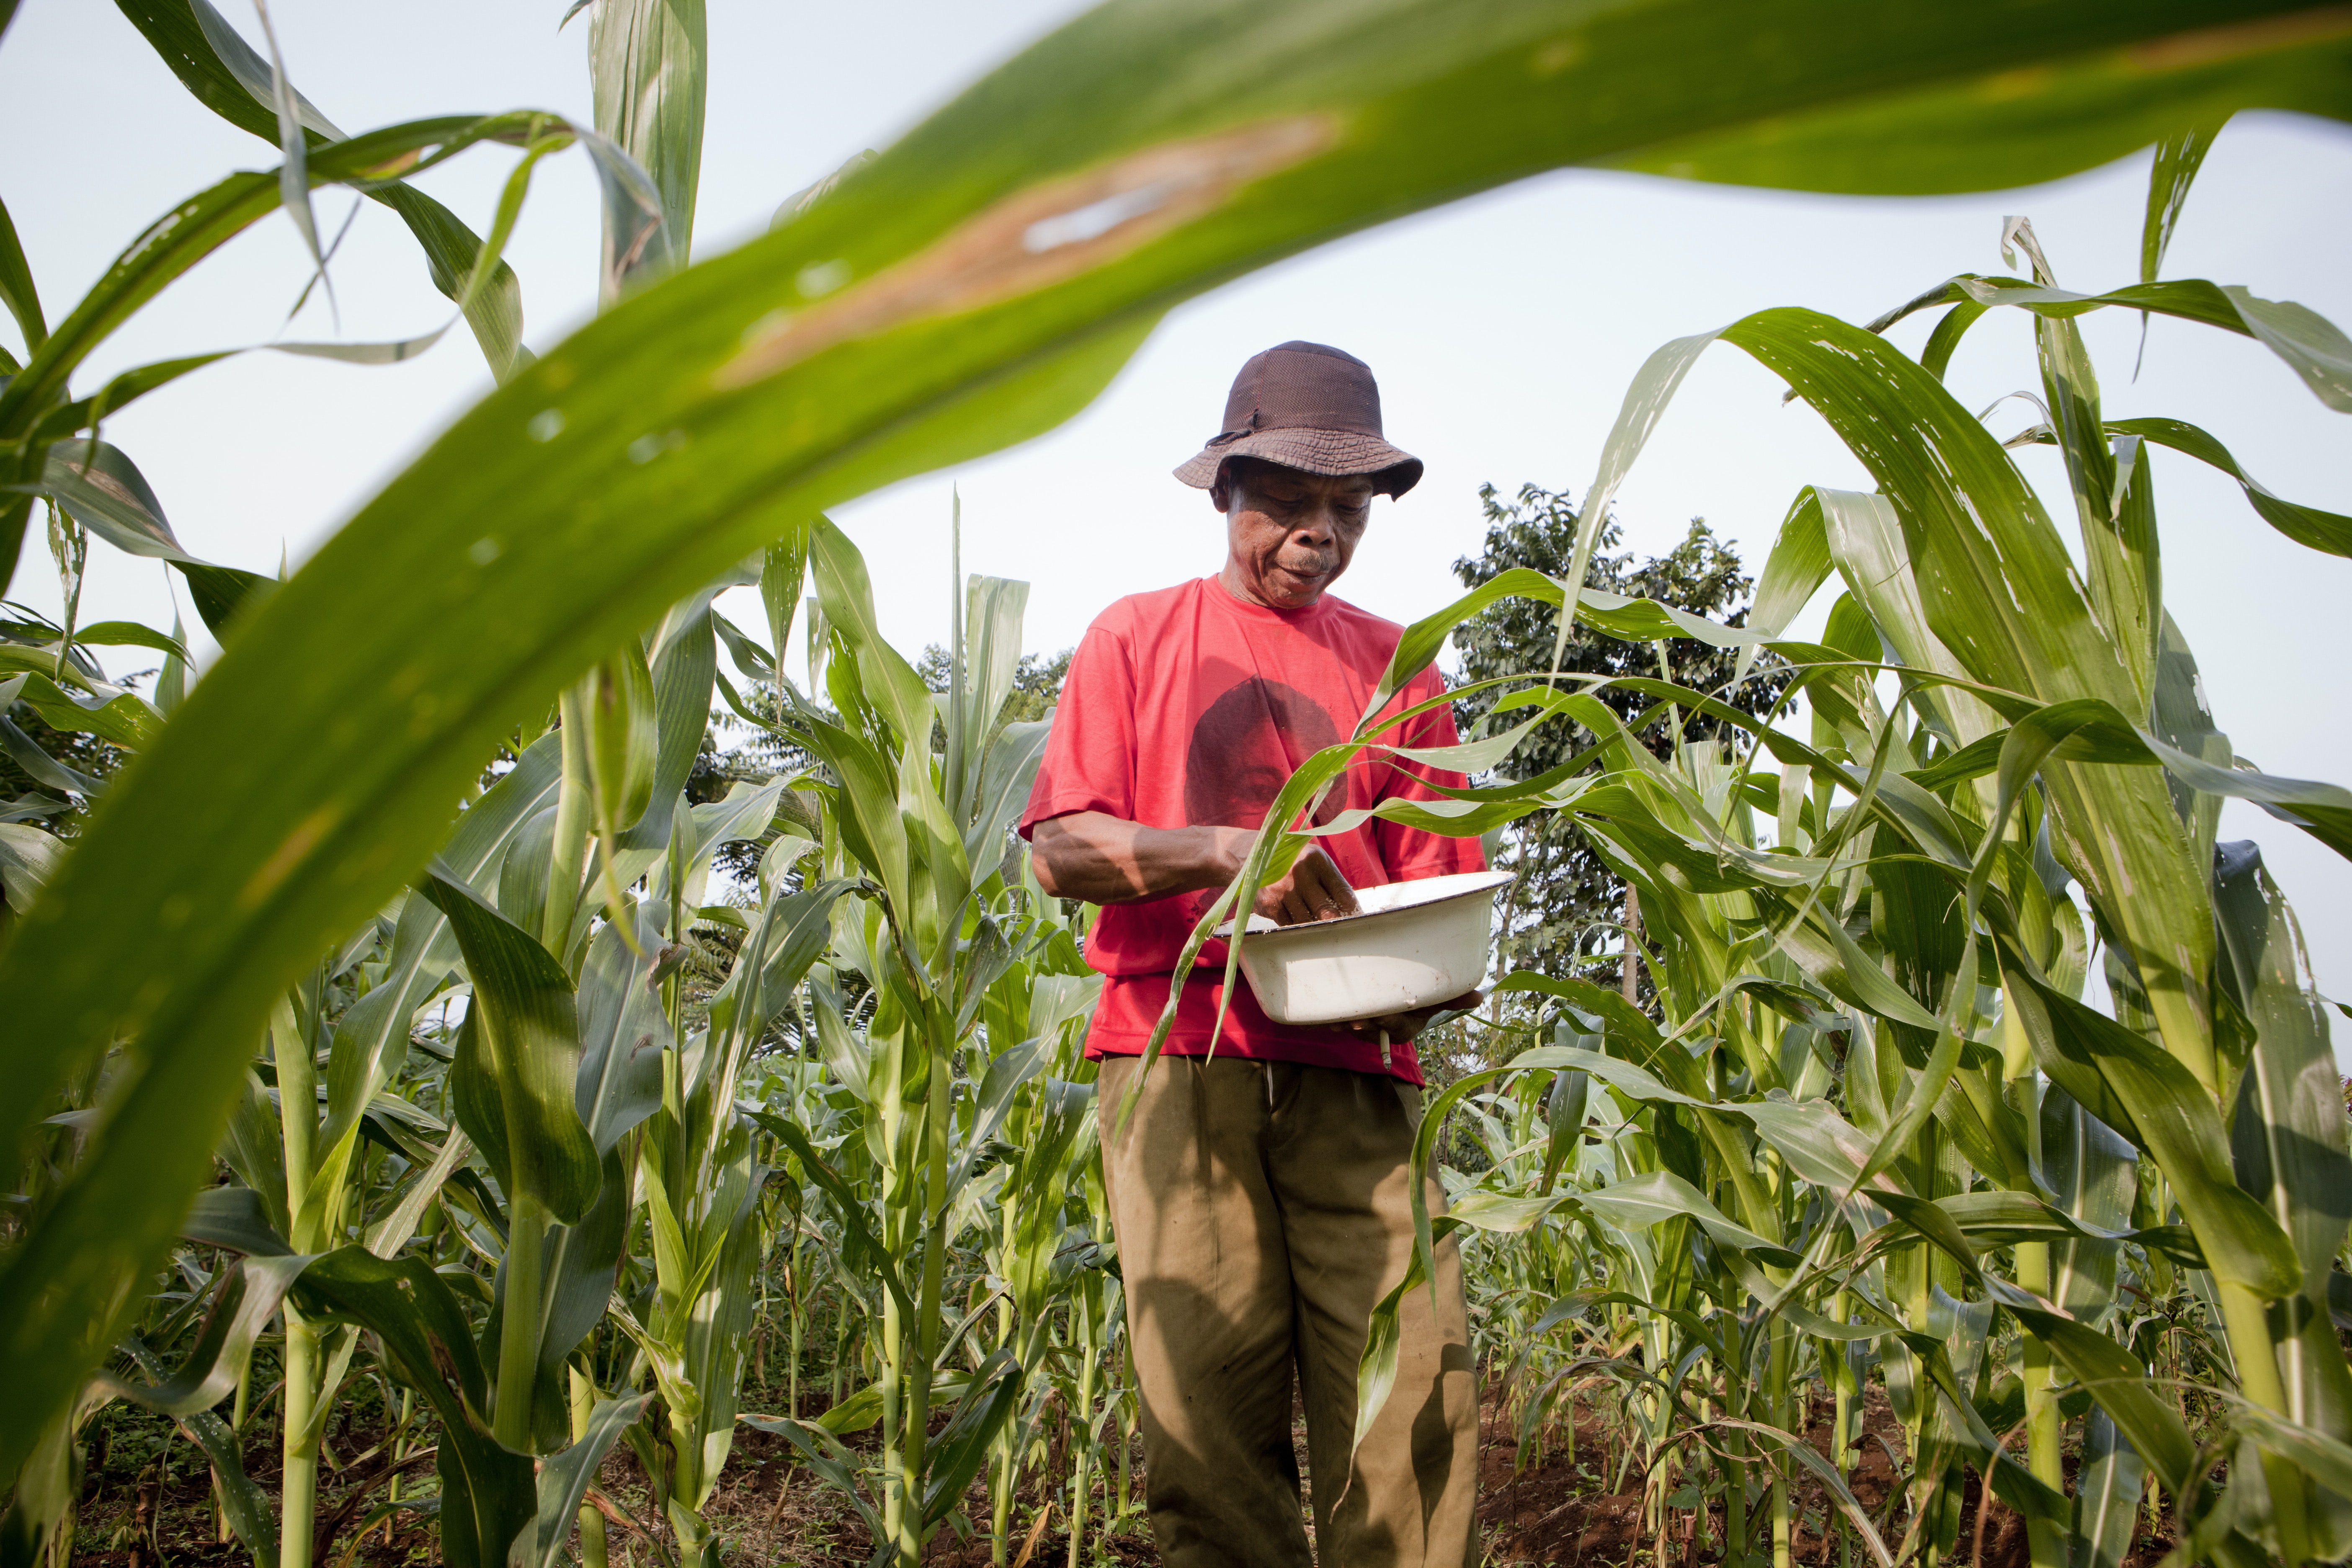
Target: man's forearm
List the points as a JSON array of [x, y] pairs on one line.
[[1102, 859]]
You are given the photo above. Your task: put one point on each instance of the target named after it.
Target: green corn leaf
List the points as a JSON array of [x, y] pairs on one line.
[[2106, 1503], [87, 412], [526, 1030], [1794, 571], [647, 60], [1565, 1119], [2091, 1176], [371, 1039], [24, 301], [2323, 1458], [2178, 159], [1447, 818], [1621, 1020], [293, 176], [2322, 810], [957, 1453], [2287, 1136], [948, 336], [793, 935], [1006, 775], [2162, 1109], [1481, 1208], [847, 595], [826, 1455], [245, 1506], [1423, 638], [388, 1234], [489, 1494], [618, 709], [2143, 1414], [622, 1032], [2310, 344], [100, 487], [1998, 1218], [236, 1218], [1653, 386], [563, 1482], [1866, 542], [870, 823], [1937, 1224], [90, 707], [2306, 525], [1662, 1195], [203, 223], [29, 860], [128, 634], [1817, 1142], [243, 1304], [783, 571], [993, 610], [227, 77], [742, 817]]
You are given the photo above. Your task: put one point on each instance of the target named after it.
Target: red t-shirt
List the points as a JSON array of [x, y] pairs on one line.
[[1189, 708]]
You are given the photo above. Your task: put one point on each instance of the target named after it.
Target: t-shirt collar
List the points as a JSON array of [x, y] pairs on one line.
[[1214, 587]]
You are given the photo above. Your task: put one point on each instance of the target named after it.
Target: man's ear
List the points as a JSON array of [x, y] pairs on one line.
[[1221, 491]]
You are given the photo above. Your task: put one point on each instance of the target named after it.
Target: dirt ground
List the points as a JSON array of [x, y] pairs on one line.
[[1562, 1508], [1571, 1511]]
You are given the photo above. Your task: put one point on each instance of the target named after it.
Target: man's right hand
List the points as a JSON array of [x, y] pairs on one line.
[[1103, 860], [1313, 890]]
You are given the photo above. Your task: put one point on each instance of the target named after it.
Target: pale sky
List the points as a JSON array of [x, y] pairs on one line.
[[1504, 329]]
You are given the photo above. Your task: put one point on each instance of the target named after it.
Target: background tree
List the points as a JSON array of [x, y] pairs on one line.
[[1565, 908], [1036, 681]]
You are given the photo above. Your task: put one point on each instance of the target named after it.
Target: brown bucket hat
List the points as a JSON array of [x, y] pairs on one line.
[[1307, 406]]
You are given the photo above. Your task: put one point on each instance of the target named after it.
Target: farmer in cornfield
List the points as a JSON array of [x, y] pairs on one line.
[[1260, 1195]]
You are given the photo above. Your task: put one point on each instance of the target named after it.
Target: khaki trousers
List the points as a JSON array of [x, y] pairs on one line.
[[1262, 1211]]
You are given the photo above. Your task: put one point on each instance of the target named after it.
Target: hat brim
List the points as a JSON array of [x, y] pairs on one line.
[[1330, 452]]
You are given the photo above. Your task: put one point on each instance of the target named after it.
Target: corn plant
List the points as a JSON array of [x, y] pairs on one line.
[[1892, 1116], [936, 930]]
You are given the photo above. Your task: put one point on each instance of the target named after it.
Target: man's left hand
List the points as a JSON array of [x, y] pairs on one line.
[[1407, 1026]]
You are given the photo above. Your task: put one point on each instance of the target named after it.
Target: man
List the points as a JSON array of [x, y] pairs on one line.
[[1260, 1194]]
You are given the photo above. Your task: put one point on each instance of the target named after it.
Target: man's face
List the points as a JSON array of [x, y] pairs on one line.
[[1288, 535]]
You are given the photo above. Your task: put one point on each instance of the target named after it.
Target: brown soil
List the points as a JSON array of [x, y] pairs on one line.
[[1559, 1509]]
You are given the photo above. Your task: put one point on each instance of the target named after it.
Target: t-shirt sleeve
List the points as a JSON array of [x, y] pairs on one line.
[[1090, 753], [1413, 853]]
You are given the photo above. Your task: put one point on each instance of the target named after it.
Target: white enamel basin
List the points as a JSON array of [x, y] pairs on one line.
[[1413, 945]]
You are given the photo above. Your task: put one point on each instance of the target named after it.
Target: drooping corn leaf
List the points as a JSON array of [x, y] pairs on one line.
[[228, 77], [563, 1482], [489, 1494], [2172, 1116], [244, 1302]]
